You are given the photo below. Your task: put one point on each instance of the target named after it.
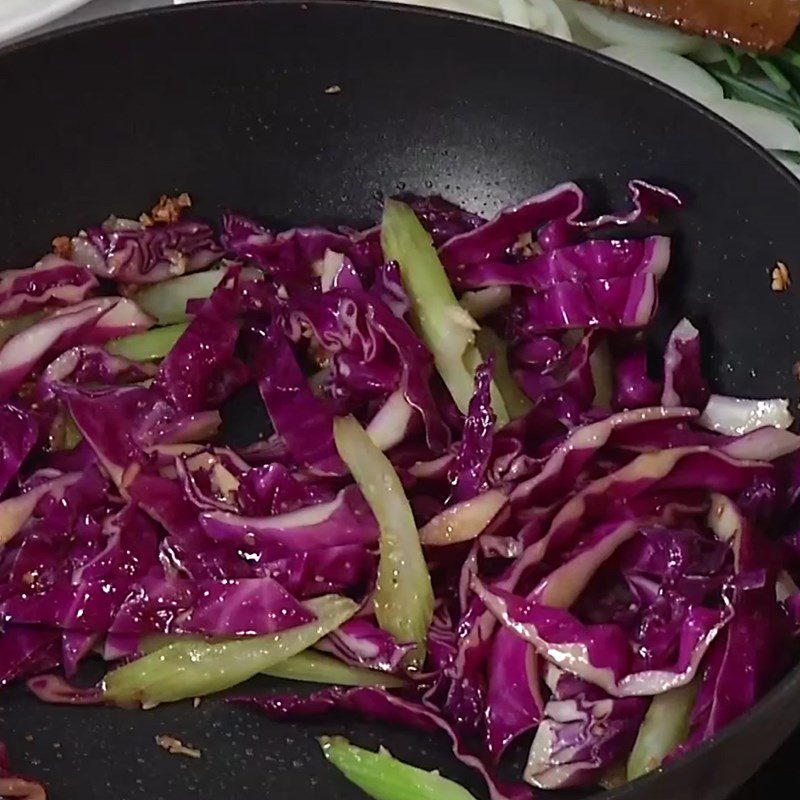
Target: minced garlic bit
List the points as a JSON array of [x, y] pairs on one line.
[[196, 702], [781, 279], [177, 747], [62, 246], [333, 89], [167, 209]]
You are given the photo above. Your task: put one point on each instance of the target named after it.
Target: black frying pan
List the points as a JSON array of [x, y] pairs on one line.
[[227, 101]]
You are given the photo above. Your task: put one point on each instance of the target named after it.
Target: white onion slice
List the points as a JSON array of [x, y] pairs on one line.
[[615, 27], [546, 17], [579, 34], [708, 52], [515, 12], [768, 128], [789, 163], [734, 416], [676, 71]]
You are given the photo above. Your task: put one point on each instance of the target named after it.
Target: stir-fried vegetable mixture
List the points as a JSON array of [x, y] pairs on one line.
[[471, 499]]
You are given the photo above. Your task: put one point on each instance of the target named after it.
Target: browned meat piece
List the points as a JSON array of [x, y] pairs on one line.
[[761, 25]]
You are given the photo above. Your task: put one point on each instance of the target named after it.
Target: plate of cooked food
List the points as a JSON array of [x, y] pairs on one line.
[[395, 404]]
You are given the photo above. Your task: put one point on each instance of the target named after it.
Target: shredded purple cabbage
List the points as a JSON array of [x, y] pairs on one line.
[[636, 548]]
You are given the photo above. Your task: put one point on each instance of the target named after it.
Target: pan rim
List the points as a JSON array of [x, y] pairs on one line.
[[790, 683]]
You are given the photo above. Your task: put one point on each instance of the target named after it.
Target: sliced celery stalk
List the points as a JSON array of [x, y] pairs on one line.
[[517, 403], [404, 597], [194, 667], [322, 668], [310, 666], [166, 301], [72, 434], [383, 777], [665, 726], [151, 345], [444, 325]]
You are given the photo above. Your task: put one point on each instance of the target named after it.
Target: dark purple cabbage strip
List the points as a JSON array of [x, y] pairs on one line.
[[347, 519], [756, 648], [19, 432], [121, 422], [606, 658], [372, 352], [633, 387], [202, 371], [91, 364], [583, 733], [271, 489], [129, 252], [362, 643], [514, 699], [495, 239], [684, 384], [596, 259], [468, 470], [556, 377], [612, 304], [302, 420], [294, 256], [52, 283], [93, 321], [27, 650], [442, 219], [552, 218]]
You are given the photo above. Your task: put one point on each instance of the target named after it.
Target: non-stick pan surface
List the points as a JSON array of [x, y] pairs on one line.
[[228, 102]]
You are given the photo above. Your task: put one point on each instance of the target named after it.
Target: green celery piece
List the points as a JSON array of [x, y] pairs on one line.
[[443, 324], [742, 89], [383, 777], [151, 345], [195, 667], [517, 403], [665, 726], [166, 301], [321, 668], [789, 56], [732, 59], [403, 597], [773, 72], [72, 435], [309, 666]]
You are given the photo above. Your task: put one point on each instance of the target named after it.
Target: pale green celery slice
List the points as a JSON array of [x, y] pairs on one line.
[[403, 597], [322, 668], [384, 777], [72, 434], [444, 325], [310, 666], [516, 401], [665, 726], [166, 301], [151, 345], [194, 667]]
